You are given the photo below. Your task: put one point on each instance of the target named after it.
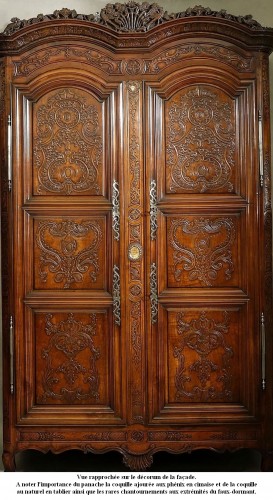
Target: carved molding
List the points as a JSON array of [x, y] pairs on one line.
[[131, 17]]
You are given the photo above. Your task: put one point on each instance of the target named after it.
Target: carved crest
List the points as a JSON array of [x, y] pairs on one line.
[[130, 17]]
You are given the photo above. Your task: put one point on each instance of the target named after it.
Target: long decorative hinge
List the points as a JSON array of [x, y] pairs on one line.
[[261, 150], [11, 351], [116, 211], [9, 153], [263, 350], [116, 295], [153, 293], [153, 210]]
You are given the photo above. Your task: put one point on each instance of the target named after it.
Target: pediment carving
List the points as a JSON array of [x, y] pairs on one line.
[[130, 17]]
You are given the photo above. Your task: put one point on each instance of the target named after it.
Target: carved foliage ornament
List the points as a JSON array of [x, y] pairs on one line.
[[130, 17], [209, 255], [74, 379], [64, 259], [67, 145], [200, 142], [203, 335]]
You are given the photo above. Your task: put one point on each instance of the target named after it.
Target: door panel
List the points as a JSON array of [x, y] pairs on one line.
[[71, 358], [199, 369], [200, 141], [70, 253], [68, 144], [202, 250]]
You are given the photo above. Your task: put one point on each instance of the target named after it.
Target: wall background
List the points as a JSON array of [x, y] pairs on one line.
[[261, 10]]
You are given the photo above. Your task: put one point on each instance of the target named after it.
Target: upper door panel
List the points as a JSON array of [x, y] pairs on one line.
[[68, 144]]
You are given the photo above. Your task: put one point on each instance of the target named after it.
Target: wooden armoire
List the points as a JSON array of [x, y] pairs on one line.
[[136, 233]]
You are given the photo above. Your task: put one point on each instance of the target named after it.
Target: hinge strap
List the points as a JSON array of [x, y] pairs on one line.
[[116, 295], [11, 351], [263, 350], [261, 151], [9, 153]]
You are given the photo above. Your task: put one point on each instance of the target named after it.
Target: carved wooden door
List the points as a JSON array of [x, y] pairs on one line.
[[204, 336], [69, 350], [140, 182]]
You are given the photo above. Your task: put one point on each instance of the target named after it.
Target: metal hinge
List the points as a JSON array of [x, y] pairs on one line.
[[261, 150], [116, 295], [153, 293], [11, 351], [262, 320], [9, 153]]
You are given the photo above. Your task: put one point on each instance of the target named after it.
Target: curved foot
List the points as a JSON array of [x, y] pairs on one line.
[[9, 461]]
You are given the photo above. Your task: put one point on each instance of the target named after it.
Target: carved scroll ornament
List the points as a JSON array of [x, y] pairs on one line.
[[130, 17]]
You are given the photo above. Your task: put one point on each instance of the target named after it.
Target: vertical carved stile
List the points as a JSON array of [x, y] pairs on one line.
[[116, 295], [9, 152], [11, 333], [263, 351], [153, 210], [153, 290], [116, 211], [261, 146]]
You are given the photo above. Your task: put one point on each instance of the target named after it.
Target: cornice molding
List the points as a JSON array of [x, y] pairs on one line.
[[131, 17]]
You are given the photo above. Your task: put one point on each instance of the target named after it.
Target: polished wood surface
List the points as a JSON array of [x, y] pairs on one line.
[[136, 232]]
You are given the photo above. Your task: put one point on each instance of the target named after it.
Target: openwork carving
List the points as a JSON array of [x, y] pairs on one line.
[[131, 17], [67, 145], [76, 379], [62, 255], [203, 335], [212, 248], [200, 142]]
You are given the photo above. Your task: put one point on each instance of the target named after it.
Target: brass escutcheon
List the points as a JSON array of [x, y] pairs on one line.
[[135, 251]]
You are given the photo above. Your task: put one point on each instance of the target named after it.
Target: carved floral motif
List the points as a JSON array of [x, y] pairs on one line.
[[203, 335], [67, 145], [74, 378], [62, 256], [208, 256], [131, 17], [200, 142]]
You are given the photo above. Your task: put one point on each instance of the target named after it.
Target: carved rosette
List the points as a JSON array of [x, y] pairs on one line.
[[69, 376], [67, 145], [204, 358], [200, 141], [135, 245]]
